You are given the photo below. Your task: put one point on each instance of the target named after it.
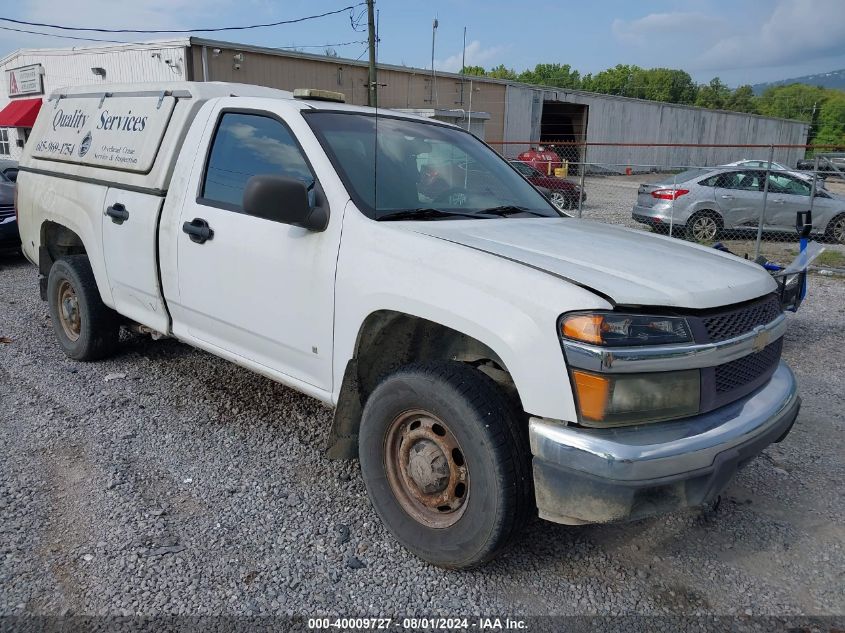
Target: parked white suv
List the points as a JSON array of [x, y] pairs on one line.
[[485, 356]]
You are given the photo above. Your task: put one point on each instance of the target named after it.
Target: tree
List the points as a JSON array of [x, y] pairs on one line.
[[795, 101], [618, 80], [831, 120], [665, 84], [557, 75], [500, 72], [713, 95], [742, 100], [473, 70]]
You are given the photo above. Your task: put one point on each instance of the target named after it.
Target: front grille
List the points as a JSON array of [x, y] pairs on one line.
[[6, 212], [739, 321], [747, 369]]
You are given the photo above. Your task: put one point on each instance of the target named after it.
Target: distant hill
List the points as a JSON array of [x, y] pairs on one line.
[[833, 79]]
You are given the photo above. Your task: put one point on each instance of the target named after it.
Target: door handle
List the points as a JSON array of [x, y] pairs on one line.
[[778, 200], [118, 213], [198, 230], [727, 196]]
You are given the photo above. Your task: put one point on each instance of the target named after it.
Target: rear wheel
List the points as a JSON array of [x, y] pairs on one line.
[[560, 200], [85, 327], [446, 463], [703, 226], [835, 231]]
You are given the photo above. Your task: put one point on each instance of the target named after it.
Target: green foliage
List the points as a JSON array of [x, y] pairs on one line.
[[831, 120], [713, 95], [500, 72], [557, 75], [473, 70], [795, 101], [742, 100], [655, 84]]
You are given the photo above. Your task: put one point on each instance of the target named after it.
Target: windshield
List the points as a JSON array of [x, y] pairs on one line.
[[422, 168]]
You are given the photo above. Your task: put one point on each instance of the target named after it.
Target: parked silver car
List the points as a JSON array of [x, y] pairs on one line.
[[763, 164], [700, 203]]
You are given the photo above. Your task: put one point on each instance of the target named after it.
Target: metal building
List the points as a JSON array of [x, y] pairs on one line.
[[514, 115]]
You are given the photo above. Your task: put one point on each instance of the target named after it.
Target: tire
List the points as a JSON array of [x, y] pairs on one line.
[[835, 231], [703, 226], [559, 200], [492, 463], [85, 327]]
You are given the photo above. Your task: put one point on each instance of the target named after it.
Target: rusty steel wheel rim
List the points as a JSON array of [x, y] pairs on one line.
[[68, 304], [426, 469]]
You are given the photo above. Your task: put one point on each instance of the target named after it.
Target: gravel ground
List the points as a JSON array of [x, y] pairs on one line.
[[167, 481]]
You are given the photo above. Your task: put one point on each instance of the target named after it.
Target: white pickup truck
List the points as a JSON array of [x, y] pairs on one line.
[[486, 356]]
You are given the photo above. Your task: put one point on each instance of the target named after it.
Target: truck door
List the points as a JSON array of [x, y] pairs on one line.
[[130, 224], [255, 289]]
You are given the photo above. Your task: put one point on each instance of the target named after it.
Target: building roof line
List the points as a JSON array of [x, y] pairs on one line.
[[281, 52]]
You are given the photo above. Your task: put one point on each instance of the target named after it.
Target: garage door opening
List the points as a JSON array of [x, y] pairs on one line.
[[564, 123]]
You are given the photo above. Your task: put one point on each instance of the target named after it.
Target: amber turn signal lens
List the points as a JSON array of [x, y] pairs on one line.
[[584, 327], [593, 394]]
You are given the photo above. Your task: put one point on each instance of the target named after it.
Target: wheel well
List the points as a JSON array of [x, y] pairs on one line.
[[58, 241], [389, 340]]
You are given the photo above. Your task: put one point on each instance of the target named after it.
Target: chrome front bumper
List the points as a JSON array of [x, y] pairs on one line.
[[599, 475]]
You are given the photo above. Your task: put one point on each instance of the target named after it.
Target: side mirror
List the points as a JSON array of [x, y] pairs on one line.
[[283, 199]]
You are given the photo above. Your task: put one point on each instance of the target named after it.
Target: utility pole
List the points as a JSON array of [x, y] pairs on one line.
[[372, 92], [463, 66], [433, 86]]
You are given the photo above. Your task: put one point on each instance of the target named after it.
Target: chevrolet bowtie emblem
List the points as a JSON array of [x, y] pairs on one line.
[[761, 341]]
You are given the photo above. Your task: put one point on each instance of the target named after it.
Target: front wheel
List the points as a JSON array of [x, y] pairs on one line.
[[446, 463]]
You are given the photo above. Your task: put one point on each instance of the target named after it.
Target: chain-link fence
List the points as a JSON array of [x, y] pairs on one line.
[[748, 198]]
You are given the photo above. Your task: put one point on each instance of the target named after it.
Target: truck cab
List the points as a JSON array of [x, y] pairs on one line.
[[487, 357]]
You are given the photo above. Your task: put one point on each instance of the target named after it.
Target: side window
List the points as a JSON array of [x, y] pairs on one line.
[[781, 183], [244, 146], [742, 180]]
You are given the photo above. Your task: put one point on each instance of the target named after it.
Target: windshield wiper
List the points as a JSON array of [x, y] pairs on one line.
[[426, 214], [510, 209]]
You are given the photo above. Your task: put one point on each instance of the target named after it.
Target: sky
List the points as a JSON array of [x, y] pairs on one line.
[[740, 41]]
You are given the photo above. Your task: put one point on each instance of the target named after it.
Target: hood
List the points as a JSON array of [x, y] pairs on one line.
[[627, 267]]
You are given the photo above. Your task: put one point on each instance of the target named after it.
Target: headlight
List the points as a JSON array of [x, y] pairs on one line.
[[611, 328], [617, 399]]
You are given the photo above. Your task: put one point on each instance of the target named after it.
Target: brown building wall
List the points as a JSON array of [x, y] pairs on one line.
[[397, 88]]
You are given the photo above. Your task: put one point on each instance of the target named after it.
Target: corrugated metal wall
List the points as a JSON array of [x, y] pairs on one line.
[[621, 120], [409, 88], [73, 67]]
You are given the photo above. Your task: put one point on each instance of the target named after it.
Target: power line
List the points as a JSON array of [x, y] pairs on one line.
[[209, 30], [94, 39], [65, 37]]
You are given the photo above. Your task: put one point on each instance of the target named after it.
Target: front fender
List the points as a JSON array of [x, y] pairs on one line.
[[509, 307]]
